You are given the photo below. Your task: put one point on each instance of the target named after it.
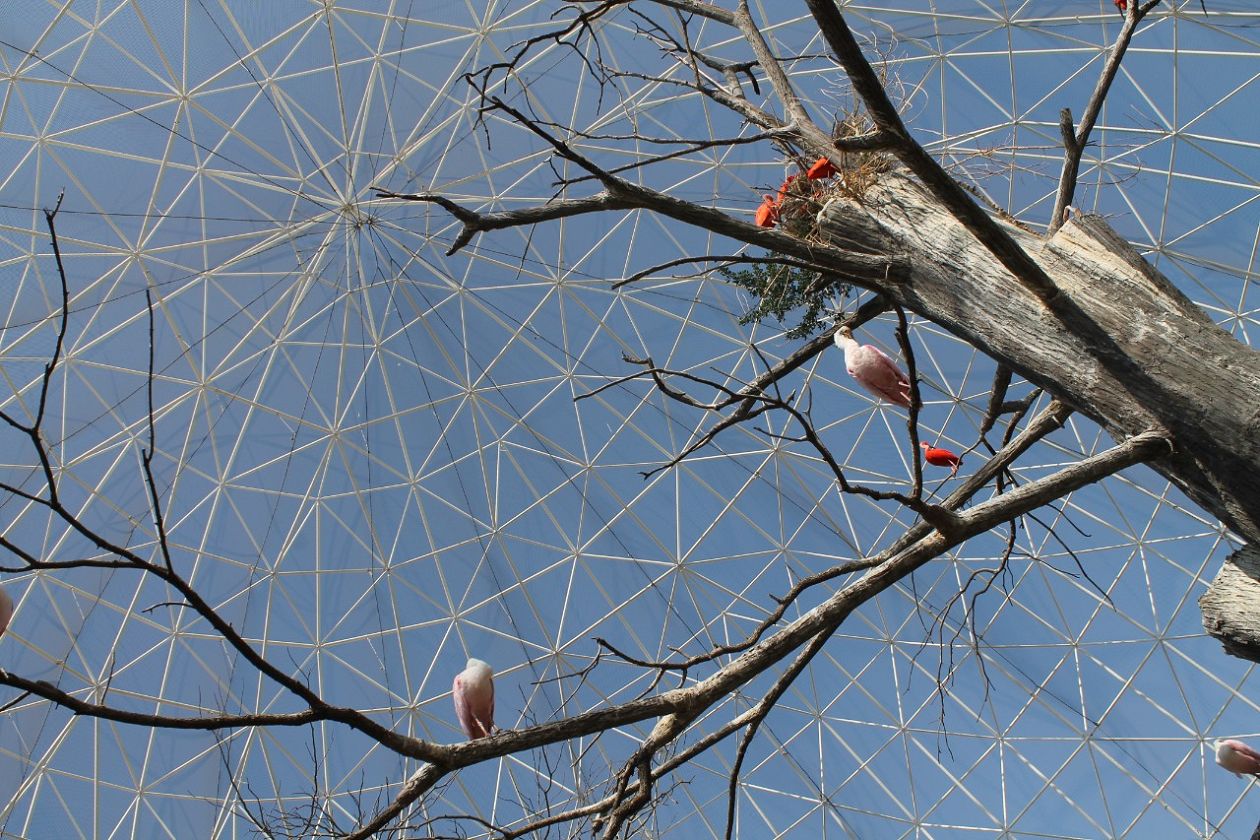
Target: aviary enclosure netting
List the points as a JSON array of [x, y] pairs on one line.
[[373, 459]]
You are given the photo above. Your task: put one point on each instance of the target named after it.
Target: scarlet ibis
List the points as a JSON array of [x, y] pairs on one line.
[[873, 370], [785, 188], [822, 168], [473, 692], [767, 213], [940, 457], [6, 610], [1237, 757]]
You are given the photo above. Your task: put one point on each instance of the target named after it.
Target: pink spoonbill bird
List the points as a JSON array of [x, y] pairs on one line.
[[873, 370], [1237, 757], [6, 610], [473, 691]]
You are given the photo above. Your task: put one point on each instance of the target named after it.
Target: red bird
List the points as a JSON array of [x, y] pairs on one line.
[[938, 457], [785, 188], [824, 168], [767, 213]]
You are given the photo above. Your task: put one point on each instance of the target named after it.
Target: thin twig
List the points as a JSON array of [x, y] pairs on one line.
[[1075, 142], [146, 455]]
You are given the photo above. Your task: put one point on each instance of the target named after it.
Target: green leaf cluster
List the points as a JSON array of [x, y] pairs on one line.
[[784, 290]]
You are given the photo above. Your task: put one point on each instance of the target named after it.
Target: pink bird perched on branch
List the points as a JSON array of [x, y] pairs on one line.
[[873, 370], [1237, 757], [6, 610], [473, 692], [940, 457]]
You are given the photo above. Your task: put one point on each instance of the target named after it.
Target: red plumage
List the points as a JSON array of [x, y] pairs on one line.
[[767, 213], [785, 188], [940, 457], [822, 168]]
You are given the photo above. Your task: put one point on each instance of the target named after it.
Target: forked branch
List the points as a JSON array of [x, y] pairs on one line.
[[689, 702], [129, 558], [1076, 140]]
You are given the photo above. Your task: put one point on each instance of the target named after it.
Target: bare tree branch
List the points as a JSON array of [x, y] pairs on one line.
[[421, 782], [1074, 143], [475, 223], [678, 707], [619, 194], [404, 745], [727, 260], [997, 398], [747, 401], [1049, 420], [68, 701], [146, 456]]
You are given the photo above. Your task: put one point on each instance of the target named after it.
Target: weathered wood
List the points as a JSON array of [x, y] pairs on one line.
[[1118, 342], [1231, 605]]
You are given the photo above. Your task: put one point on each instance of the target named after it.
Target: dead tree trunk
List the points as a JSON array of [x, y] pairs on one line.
[[1231, 605], [1118, 342]]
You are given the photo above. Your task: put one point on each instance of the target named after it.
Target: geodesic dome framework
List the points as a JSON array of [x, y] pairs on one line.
[[373, 461]]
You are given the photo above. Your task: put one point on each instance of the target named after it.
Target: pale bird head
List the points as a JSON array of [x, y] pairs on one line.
[[478, 664]]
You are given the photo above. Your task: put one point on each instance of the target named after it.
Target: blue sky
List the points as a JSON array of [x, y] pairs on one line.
[[374, 464]]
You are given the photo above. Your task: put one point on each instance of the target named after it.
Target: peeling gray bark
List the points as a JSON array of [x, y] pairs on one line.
[[1231, 605], [1118, 342]]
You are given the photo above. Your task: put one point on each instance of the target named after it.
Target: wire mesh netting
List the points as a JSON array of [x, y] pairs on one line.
[[373, 460]]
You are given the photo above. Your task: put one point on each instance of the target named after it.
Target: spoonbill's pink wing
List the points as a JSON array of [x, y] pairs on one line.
[[1246, 752], [880, 374], [1244, 749], [461, 706], [484, 710], [463, 710]]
